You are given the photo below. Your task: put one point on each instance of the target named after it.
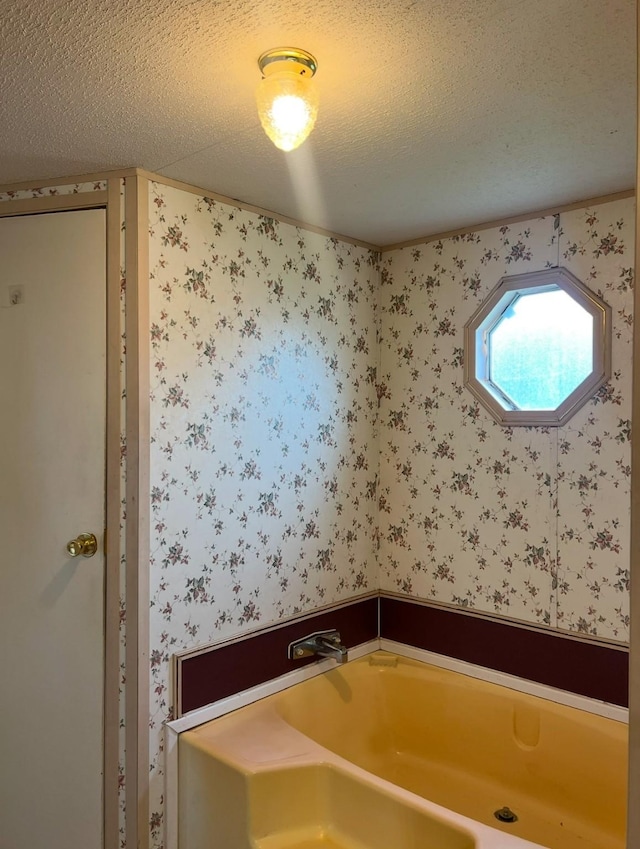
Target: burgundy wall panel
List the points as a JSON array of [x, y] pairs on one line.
[[579, 666], [576, 665], [231, 668]]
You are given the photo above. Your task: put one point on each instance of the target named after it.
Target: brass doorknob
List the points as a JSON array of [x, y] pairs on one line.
[[84, 544]]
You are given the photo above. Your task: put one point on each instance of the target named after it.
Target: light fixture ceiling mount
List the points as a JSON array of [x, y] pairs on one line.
[[298, 61], [286, 96]]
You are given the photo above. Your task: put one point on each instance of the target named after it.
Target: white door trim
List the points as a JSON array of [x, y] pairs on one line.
[[108, 199]]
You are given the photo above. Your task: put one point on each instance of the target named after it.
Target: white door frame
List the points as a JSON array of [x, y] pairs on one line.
[[107, 198], [633, 815]]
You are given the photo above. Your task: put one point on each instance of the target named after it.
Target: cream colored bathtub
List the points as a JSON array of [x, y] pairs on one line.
[[389, 753]]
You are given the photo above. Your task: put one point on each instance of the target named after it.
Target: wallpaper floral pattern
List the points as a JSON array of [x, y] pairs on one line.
[[264, 453], [594, 448], [312, 439], [531, 523], [50, 191]]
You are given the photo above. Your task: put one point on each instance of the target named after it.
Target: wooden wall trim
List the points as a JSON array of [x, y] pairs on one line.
[[54, 203], [578, 666], [422, 240], [257, 210], [109, 199], [501, 618], [137, 494], [633, 809], [123, 173], [68, 180], [197, 190], [112, 531], [211, 673], [570, 662], [514, 219]]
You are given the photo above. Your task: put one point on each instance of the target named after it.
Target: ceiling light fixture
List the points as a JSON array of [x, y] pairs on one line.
[[287, 97]]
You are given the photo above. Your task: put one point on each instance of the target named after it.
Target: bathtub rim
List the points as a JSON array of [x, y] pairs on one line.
[[215, 710]]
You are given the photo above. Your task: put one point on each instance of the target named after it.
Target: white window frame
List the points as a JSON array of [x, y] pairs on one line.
[[484, 319]]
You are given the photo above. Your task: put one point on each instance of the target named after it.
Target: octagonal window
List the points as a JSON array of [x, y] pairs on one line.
[[540, 349], [537, 348]]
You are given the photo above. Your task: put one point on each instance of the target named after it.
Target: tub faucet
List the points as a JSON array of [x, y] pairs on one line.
[[321, 643]]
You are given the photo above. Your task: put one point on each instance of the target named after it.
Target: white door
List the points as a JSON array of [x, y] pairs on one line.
[[52, 471]]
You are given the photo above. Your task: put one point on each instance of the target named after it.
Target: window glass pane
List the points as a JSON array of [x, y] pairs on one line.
[[541, 349]]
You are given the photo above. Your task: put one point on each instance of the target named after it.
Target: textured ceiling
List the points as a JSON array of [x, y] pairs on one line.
[[434, 114]]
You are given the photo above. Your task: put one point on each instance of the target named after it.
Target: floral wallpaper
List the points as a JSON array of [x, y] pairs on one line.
[[288, 369], [47, 191], [531, 523], [264, 453], [312, 439], [594, 448]]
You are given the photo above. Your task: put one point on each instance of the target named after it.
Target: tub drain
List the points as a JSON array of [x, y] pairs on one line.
[[505, 815]]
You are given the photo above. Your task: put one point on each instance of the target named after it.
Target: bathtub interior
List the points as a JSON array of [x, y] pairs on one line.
[[314, 806], [473, 747], [334, 810], [313, 765]]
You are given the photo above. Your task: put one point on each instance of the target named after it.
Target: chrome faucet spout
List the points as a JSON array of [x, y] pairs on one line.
[[329, 648], [322, 644]]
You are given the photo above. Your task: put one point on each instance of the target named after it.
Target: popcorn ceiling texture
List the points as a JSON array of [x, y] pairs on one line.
[[433, 115], [271, 415]]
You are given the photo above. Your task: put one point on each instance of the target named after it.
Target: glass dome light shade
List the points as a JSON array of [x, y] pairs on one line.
[[287, 107]]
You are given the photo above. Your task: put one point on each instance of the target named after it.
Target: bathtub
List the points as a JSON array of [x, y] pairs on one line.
[[390, 753]]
